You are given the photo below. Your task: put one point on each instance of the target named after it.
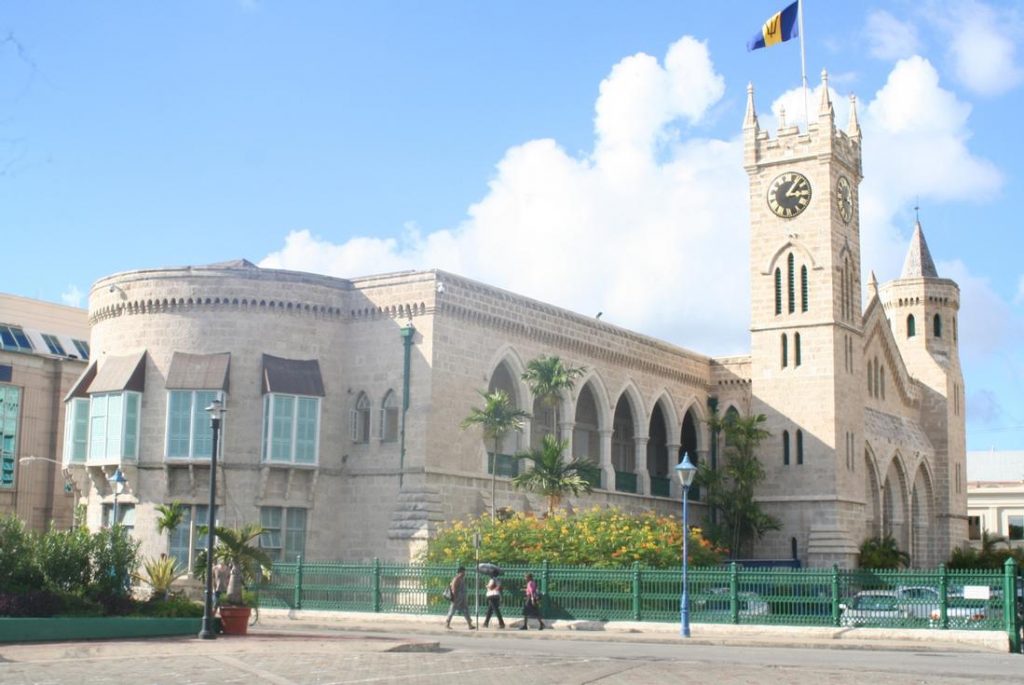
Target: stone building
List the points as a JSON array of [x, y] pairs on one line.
[[43, 349], [345, 396]]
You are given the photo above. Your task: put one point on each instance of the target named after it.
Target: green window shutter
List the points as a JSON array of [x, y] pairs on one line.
[[803, 288], [306, 429], [796, 349], [131, 425], [179, 411], [178, 539], [785, 351], [778, 291], [202, 427], [97, 427], [295, 535], [10, 409], [790, 266], [283, 425]]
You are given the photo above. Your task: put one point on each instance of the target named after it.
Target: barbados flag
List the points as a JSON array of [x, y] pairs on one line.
[[780, 27]]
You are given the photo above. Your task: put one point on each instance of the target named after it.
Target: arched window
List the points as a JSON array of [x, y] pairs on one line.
[[871, 385], [785, 448], [790, 266], [389, 417], [799, 447], [361, 419], [881, 381], [796, 349], [785, 351], [911, 327], [803, 288], [937, 326], [778, 291]]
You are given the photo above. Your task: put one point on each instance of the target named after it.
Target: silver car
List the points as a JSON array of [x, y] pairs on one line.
[[872, 608]]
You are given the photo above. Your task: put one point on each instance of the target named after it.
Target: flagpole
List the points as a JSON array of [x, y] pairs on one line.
[[803, 59]]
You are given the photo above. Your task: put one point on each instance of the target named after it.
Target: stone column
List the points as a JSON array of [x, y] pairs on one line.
[[607, 470], [675, 490], [643, 476]]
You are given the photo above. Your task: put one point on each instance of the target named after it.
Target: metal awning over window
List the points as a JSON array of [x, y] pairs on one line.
[[117, 374], [81, 386], [199, 371], [292, 376]]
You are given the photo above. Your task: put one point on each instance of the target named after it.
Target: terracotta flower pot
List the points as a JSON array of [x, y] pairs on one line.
[[235, 620]]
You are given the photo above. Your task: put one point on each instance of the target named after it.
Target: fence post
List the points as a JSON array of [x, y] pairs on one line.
[[376, 585], [943, 597], [835, 595], [1010, 604], [734, 587], [636, 590], [297, 592], [545, 576]]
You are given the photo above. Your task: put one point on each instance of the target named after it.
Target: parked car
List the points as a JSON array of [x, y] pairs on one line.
[[872, 608], [960, 613], [918, 601], [717, 601]]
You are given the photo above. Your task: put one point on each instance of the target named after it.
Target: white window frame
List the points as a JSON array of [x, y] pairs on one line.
[[196, 413], [360, 419], [120, 444], [270, 403], [391, 404], [76, 408]]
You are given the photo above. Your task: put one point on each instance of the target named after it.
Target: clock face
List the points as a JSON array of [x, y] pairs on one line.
[[844, 199], [789, 194]]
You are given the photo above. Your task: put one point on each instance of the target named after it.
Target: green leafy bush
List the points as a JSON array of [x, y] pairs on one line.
[[174, 606], [65, 559], [599, 538], [18, 569], [115, 556]]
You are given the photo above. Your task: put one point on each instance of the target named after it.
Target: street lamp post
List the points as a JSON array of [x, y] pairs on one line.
[[216, 411], [686, 472], [70, 486], [117, 482]]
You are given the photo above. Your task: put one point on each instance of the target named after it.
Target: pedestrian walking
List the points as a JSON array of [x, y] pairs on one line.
[[531, 603], [494, 601], [457, 590], [221, 574]]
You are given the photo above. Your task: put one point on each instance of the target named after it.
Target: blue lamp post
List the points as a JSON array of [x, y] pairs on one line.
[[686, 472], [117, 482], [216, 411]]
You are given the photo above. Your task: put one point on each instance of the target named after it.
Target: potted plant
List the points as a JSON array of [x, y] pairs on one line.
[[239, 549]]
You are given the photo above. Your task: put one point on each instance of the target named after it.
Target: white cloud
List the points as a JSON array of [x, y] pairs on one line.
[[634, 229], [982, 44], [889, 38], [651, 227], [72, 297]]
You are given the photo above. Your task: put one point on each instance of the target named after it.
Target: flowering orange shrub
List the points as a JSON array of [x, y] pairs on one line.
[[599, 538]]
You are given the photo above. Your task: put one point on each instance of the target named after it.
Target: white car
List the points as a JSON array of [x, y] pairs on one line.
[[717, 601], [872, 608]]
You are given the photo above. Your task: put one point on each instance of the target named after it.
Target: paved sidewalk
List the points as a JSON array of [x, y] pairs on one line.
[[327, 622]]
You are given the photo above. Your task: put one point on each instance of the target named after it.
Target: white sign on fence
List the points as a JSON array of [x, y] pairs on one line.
[[976, 592]]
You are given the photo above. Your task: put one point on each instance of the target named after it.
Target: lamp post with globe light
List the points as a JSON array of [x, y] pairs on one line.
[[686, 472], [216, 411]]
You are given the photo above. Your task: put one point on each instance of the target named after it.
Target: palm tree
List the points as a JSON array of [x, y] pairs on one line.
[[881, 552], [171, 516], [497, 418], [730, 489], [548, 378], [551, 475], [239, 549]]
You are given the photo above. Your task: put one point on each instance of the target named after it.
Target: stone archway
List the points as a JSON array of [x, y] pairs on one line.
[[895, 507], [624, 446], [922, 511]]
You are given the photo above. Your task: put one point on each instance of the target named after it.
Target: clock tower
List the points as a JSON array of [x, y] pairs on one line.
[[806, 330]]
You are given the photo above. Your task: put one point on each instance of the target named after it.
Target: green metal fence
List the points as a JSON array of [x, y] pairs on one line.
[[929, 599]]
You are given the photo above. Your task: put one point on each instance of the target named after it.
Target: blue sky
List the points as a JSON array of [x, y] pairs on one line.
[[583, 153]]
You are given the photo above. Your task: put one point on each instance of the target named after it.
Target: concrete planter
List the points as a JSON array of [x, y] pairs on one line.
[[94, 628], [234, 619]]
